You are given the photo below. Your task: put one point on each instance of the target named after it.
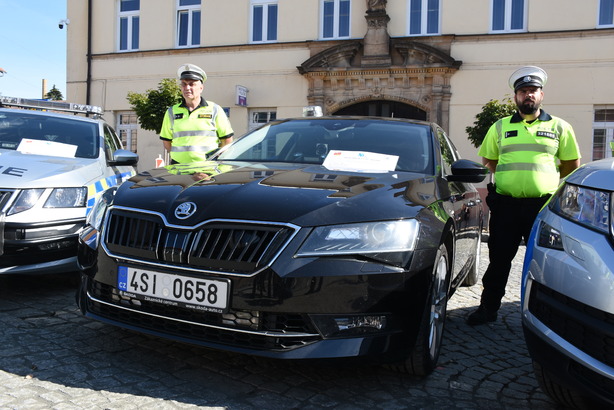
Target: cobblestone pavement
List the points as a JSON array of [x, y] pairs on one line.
[[52, 357]]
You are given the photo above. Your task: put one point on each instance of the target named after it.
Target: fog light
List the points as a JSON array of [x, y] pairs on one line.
[[51, 246], [353, 322], [349, 325], [548, 237]]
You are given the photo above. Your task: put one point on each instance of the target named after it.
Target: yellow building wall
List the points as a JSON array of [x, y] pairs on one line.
[[579, 63]]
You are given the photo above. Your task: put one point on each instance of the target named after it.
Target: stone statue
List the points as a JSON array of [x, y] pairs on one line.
[[376, 5]]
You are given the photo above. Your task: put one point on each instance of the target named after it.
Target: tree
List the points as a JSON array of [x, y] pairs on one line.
[[152, 104], [492, 111], [54, 94]]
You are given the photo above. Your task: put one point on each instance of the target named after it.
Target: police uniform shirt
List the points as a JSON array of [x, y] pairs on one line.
[[194, 134], [527, 153]]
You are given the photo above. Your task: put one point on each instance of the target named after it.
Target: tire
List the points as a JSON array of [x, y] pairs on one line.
[[562, 395], [425, 353], [474, 271]]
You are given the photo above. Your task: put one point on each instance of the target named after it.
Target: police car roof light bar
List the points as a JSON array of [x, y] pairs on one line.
[[50, 105]]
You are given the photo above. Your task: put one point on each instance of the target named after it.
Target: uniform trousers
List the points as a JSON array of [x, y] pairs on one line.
[[511, 220]]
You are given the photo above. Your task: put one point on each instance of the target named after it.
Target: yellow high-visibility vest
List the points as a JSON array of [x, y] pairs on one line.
[[195, 134], [527, 154]]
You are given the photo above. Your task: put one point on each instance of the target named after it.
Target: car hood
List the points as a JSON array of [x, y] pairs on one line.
[[596, 174], [19, 170], [303, 195]]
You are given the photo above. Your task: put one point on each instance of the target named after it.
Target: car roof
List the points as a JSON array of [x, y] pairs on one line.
[[53, 114], [358, 118]]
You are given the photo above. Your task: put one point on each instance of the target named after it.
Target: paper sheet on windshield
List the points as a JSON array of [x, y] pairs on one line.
[[54, 149], [360, 161]]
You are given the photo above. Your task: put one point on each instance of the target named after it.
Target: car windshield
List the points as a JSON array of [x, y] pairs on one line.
[[47, 135], [309, 141]]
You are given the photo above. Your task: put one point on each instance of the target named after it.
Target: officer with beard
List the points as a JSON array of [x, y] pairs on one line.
[[528, 153]]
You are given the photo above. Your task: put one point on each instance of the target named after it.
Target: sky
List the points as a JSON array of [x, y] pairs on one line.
[[32, 47]]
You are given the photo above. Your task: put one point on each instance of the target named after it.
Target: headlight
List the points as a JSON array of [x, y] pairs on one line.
[[96, 215], [362, 238], [585, 206], [25, 200], [67, 198]]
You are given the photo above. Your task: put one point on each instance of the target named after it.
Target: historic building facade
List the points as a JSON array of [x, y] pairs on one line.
[[437, 60]]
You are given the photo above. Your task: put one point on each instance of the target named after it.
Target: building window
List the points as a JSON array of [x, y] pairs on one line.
[[264, 21], [335, 19], [603, 132], [188, 23], [127, 127], [129, 25], [509, 15], [259, 116], [423, 17], [606, 14]]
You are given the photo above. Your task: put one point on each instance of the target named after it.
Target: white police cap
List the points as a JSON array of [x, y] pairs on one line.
[[529, 76], [191, 72]]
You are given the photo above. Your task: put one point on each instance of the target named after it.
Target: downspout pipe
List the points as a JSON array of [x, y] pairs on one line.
[[89, 52]]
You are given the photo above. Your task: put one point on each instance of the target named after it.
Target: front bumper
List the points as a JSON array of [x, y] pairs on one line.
[[45, 247], [568, 309], [273, 316]]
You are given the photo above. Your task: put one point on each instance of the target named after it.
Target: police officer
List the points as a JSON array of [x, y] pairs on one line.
[[528, 152], [195, 127]]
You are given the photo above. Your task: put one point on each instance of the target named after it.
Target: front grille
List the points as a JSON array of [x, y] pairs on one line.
[[594, 379], [240, 328], [31, 254], [590, 330], [233, 247], [5, 195]]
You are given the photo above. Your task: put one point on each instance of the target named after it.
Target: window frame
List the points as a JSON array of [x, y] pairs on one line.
[[508, 17], [265, 24], [424, 18], [192, 39], [336, 19], [131, 17], [603, 8], [130, 128], [608, 132], [270, 114]]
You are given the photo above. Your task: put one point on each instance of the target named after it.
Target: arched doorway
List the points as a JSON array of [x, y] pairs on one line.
[[383, 108]]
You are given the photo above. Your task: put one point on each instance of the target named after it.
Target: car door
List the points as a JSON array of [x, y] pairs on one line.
[[463, 204]]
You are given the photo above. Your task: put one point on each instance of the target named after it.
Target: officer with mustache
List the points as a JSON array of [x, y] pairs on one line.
[[528, 152]]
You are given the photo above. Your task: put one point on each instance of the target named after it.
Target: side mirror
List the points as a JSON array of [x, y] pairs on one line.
[[465, 170], [124, 157]]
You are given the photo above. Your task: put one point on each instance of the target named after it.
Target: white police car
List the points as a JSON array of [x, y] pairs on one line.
[[52, 166]]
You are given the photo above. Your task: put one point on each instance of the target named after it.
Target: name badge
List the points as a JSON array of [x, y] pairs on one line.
[[206, 116], [511, 134], [546, 134], [178, 116]]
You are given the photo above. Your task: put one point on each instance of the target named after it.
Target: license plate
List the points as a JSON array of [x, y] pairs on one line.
[[185, 291]]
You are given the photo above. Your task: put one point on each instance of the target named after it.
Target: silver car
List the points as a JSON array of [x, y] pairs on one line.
[[52, 167], [568, 290]]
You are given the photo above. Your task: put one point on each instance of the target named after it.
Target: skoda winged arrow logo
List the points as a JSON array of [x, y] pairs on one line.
[[185, 210]]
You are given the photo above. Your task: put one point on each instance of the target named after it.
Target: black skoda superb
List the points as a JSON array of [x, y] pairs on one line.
[[315, 237]]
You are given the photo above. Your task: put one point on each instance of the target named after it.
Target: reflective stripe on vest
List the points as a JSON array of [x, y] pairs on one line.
[[528, 147], [527, 166], [194, 148]]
